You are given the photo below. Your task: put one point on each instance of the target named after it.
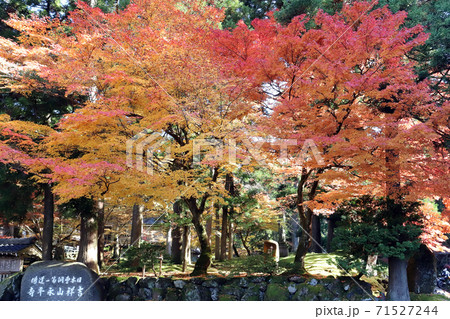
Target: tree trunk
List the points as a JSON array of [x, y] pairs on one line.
[[88, 249], [217, 236], [136, 231], [226, 214], [169, 241], [136, 225], [305, 216], [230, 241], [224, 234], [47, 232], [294, 232], [244, 243], [304, 241], [186, 247], [49, 6], [116, 248], [176, 245], [209, 228], [332, 220], [283, 246], [316, 244], [101, 232], [235, 250], [282, 228], [176, 248], [204, 260], [59, 252], [305, 224], [398, 280]]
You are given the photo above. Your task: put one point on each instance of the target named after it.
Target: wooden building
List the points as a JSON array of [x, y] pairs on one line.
[[15, 252]]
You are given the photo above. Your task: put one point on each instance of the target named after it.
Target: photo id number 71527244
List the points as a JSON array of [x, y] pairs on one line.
[[381, 311]]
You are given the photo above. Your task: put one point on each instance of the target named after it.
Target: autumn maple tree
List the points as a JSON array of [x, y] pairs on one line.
[[347, 85], [169, 85], [162, 75]]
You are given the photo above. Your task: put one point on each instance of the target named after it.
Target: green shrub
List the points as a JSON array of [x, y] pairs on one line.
[[146, 256], [376, 226]]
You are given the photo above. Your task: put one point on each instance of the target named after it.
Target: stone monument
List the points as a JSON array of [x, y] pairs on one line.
[[271, 248], [60, 281]]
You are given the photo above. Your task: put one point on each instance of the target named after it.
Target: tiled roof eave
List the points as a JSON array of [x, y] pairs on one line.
[[7, 253]]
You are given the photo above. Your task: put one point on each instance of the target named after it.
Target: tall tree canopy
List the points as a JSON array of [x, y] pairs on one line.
[[348, 85], [165, 75]]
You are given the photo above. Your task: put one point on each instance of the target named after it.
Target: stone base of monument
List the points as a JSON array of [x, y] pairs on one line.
[[60, 281]]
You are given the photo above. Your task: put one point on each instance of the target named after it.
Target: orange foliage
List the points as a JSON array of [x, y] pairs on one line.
[[347, 86], [435, 228]]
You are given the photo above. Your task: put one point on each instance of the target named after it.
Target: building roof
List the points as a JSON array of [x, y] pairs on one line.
[[152, 221], [12, 246]]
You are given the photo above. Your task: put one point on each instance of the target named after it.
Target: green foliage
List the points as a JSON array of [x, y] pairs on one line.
[[254, 228], [376, 226], [111, 5], [246, 10], [293, 8], [433, 56], [264, 264], [350, 265], [16, 194], [78, 206], [147, 255], [20, 7], [46, 105], [40, 107], [428, 297]]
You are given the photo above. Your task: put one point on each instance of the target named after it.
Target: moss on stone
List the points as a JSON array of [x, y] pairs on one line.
[[190, 292], [145, 294], [428, 297], [147, 283], [232, 289], [317, 289], [250, 298], [306, 292], [225, 297], [172, 294], [158, 294], [278, 280], [252, 292], [254, 288], [276, 292]]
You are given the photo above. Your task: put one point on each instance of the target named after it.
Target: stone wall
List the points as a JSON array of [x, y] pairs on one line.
[[277, 288], [229, 289]]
